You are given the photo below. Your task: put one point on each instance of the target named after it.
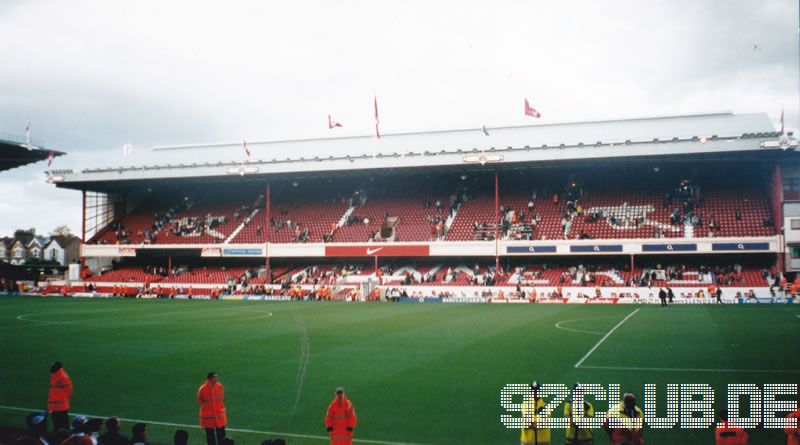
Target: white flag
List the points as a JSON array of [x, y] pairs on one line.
[[127, 150], [28, 135]]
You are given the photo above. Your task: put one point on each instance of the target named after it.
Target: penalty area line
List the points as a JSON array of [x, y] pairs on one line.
[[634, 368], [235, 430], [597, 345]]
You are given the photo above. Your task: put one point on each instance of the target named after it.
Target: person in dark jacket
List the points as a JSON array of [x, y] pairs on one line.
[[112, 436]]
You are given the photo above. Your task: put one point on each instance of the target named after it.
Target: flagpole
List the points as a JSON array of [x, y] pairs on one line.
[[377, 123], [28, 135]]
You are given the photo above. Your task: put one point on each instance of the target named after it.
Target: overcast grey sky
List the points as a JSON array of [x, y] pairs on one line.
[[93, 75]]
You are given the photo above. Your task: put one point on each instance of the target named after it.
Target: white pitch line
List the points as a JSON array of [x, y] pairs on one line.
[[235, 430], [597, 345], [580, 331], [633, 368], [305, 356], [112, 320]]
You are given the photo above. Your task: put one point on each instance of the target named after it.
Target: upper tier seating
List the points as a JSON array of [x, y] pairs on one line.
[[635, 215], [606, 211], [315, 215], [413, 223]]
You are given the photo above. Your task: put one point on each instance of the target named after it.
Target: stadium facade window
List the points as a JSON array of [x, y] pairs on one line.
[[795, 223]]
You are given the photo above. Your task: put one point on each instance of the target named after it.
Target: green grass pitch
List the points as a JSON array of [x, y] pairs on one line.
[[417, 373]]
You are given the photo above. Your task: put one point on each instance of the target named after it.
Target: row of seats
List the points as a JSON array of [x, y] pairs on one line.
[[413, 224], [463, 275], [639, 215]]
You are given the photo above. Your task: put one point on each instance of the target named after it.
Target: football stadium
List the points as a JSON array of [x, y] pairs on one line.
[[443, 281], [400, 223]]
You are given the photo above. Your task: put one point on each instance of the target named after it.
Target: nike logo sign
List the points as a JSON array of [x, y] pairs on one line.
[[371, 251]]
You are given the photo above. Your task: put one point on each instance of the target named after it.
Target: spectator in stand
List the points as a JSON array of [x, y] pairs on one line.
[[793, 434], [37, 425], [730, 433], [112, 436], [78, 434], [181, 437], [92, 429], [139, 433], [59, 396], [211, 397]]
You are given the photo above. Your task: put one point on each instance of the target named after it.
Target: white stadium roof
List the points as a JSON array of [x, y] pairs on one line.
[[641, 137]]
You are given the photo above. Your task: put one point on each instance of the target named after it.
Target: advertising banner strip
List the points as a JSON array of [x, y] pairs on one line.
[[740, 246], [597, 248], [242, 252], [377, 250], [669, 247], [531, 249]]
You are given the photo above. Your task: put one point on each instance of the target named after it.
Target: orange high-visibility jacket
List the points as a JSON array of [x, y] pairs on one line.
[[731, 434], [631, 436], [340, 416], [793, 434], [212, 405], [60, 391]]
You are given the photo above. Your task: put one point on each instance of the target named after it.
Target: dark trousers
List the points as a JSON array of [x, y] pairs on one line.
[[60, 420], [215, 436], [663, 302]]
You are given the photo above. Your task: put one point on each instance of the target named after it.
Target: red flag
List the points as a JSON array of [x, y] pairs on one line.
[[781, 121], [50, 157], [246, 150], [332, 124], [530, 111], [377, 119]]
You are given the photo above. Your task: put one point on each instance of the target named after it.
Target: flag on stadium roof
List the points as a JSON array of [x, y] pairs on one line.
[[782, 121], [332, 123], [127, 149], [246, 150], [50, 157], [485, 131], [530, 111], [377, 120], [28, 135]]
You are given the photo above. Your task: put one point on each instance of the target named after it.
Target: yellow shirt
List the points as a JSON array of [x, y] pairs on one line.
[[533, 435]]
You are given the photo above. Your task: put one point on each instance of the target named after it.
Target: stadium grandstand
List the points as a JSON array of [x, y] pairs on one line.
[[16, 152], [606, 209]]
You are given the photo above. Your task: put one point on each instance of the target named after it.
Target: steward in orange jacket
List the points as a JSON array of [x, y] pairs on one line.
[[793, 434], [729, 433], [58, 396], [626, 435], [340, 420], [211, 397]]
